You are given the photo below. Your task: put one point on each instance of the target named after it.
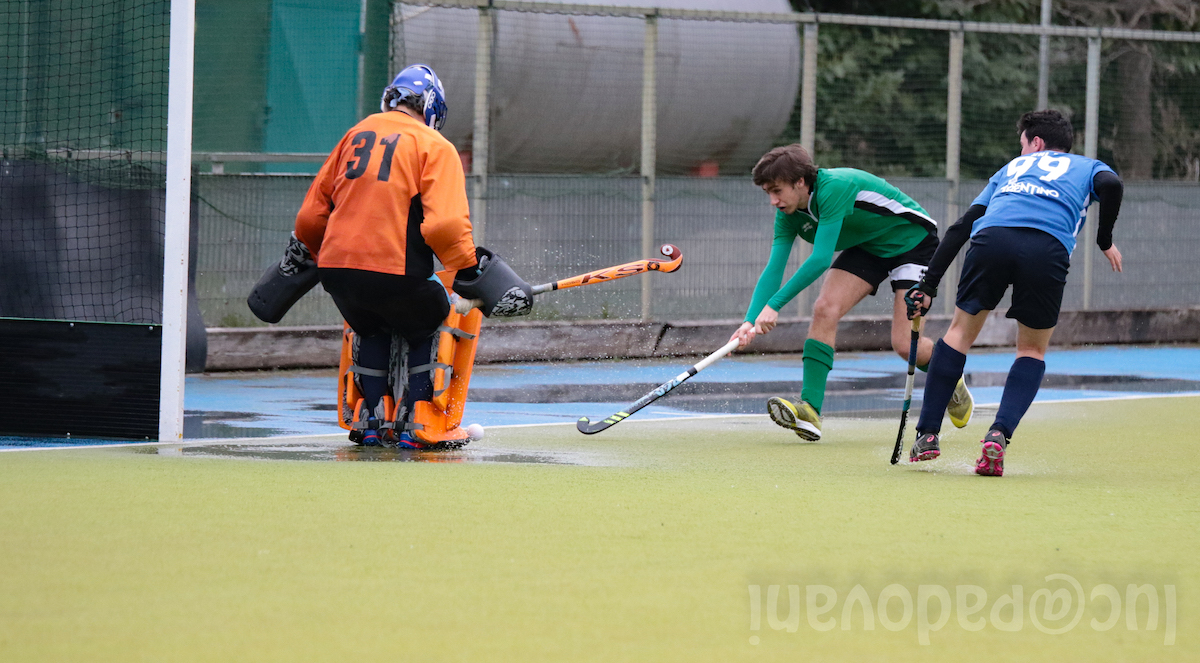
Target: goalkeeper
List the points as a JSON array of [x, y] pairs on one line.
[[881, 233], [389, 198]]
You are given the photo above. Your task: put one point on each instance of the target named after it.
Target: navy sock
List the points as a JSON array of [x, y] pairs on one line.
[[945, 368], [374, 352], [1020, 388], [420, 385]]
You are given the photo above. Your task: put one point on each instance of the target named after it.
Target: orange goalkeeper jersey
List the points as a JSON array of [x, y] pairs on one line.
[[390, 196]]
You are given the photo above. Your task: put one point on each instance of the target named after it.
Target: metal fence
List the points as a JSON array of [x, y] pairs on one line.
[[591, 134]]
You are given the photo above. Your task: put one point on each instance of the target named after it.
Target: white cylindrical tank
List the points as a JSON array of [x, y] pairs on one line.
[[567, 89]]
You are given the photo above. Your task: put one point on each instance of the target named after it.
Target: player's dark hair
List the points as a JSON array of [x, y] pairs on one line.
[[413, 101], [788, 164], [1049, 125]]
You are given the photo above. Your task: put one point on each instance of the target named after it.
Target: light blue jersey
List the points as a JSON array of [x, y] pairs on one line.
[[1049, 191]]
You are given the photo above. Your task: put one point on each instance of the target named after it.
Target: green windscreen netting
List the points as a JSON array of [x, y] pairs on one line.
[[83, 129], [82, 204]]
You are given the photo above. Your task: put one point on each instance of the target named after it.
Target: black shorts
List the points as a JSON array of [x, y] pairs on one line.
[[375, 304], [1032, 261], [905, 269]]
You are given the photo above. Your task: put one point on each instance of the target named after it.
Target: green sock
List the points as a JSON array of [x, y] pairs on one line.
[[923, 369], [818, 360]]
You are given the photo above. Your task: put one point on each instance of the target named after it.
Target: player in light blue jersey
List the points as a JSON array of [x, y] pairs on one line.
[[1048, 190], [1022, 230]]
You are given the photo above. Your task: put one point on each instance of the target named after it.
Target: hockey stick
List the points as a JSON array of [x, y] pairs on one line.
[[908, 387], [588, 428], [674, 260]]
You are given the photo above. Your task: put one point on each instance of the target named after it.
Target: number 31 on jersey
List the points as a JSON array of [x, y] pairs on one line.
[[362, 155]]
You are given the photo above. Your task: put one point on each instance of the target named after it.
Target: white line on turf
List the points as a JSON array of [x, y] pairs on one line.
[[1099, 399]]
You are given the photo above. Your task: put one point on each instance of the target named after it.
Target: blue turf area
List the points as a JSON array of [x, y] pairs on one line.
[[301, 403]]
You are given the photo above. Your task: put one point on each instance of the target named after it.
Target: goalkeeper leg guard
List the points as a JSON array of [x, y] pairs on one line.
[[435, 420], [354, 413]]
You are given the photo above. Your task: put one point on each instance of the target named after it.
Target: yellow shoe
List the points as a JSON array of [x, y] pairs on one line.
[[802, 418], [961, 405]]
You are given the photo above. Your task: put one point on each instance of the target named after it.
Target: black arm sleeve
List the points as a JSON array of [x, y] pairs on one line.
[[956, 236], [1109, 191]]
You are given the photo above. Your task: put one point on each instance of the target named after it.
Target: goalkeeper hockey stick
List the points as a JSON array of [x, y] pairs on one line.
[[588, 428], [908, 387], [670, 251]]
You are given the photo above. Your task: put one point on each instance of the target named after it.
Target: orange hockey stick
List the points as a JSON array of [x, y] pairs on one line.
[[670, 251]]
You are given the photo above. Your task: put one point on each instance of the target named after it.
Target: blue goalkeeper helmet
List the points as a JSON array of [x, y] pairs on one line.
[[419, 87]]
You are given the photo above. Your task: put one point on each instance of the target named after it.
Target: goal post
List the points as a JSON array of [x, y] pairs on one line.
[[177, 217]]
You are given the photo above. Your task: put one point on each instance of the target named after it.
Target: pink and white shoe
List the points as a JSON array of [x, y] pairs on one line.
[[924, 448], [991, 460]]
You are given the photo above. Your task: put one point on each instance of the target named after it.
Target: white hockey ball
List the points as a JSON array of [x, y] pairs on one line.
[[475, 431]]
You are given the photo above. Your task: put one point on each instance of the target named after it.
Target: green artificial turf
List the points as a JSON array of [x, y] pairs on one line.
[[649, 551]]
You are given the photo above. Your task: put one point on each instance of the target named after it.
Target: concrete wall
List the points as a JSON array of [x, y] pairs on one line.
[[318, 347]]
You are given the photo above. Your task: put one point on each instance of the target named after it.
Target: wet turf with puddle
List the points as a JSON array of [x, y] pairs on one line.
[[343, 451], [257, 406]]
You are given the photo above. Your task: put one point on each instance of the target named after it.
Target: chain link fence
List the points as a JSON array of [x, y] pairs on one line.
[[582, 152]]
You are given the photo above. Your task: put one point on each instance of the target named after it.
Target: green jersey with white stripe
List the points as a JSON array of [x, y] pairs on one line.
[[847, 207]]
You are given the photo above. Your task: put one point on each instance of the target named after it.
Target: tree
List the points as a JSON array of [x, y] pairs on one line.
[[1134, 147], [875, 99]]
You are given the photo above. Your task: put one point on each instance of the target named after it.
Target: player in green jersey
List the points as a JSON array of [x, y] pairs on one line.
[[881, 233]]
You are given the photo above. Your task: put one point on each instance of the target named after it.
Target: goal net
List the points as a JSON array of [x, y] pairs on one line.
[[83, 210]]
